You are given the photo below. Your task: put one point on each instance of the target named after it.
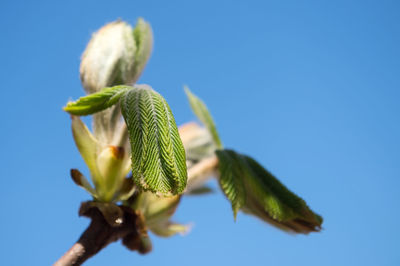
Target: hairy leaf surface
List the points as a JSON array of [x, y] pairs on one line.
[[250, 187], [158, 156], [96, 102], [202, 113]]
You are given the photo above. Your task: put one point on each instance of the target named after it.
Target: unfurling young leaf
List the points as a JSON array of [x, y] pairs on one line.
[[202, 113], [158, 156], [158, 212], [253, 189], [143, 36], [231, 180], [96, 102]]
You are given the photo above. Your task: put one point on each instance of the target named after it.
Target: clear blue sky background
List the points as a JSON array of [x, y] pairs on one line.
[[309, 88]]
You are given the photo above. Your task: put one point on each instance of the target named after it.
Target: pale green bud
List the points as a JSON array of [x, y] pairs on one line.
[[113, 166], [116, 55], [108, 165], [110, 161], [158, 211]]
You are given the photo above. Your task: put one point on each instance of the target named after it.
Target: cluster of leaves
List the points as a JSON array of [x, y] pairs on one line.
[[134, 131], [158, 158]]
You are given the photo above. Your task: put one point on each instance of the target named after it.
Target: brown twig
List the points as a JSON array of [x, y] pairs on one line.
[[100, 233]]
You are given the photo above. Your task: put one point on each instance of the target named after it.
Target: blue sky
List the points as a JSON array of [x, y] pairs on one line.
[[311, 89]]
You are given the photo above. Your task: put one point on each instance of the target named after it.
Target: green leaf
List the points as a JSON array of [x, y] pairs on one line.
[[250, 187], [158, 156], [202, 113], [143, 36], [96, 102], [231, 180], [86, 143]]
